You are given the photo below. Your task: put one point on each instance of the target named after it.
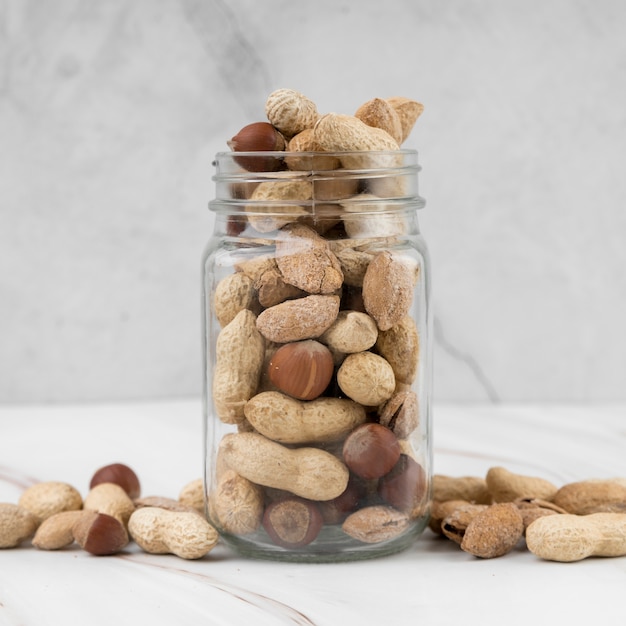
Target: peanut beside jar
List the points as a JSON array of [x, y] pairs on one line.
[[316, 337]]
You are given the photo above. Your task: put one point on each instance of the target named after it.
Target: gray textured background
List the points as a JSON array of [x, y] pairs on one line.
[[111, 112]]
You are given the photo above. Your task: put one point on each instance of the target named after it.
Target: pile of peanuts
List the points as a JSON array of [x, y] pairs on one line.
[[53, 515], [489, 517], [316, 359]]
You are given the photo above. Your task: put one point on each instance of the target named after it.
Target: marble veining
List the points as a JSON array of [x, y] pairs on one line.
[[15, 478], [239, 64], [274, 609], [463, 358]]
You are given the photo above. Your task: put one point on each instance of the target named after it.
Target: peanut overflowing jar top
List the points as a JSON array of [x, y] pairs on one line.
[[295, 125]]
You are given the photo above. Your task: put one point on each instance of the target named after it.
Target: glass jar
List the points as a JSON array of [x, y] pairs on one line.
[[316, 351]]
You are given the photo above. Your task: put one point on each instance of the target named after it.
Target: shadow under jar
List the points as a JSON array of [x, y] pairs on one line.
[[316, 352]]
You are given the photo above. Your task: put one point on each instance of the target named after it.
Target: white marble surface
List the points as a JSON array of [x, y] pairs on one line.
[[111, 112], [433, 583]]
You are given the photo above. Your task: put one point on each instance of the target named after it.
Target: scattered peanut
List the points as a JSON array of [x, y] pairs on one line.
[[159, 531], [534, 508], [47, 498], [505, 486], [494, 531], [97, 533], [16, 525], [454, 525], [592, 496], [440, 510], [169, 504], [469, 488], [57, 531], [111, 499], [192, 494], [572, 537]]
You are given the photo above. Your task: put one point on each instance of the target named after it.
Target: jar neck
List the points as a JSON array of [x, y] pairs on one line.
[[310, 178], [368, 192]]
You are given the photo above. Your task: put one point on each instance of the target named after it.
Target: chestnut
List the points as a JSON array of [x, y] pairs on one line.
[[371, 450], [100, 534], [119, 474], [292, 522], [405, 485]]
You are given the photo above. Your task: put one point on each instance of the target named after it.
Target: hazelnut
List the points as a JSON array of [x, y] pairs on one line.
[[292, 522], [301, 369], [235, 225], [118, 474], [405, 485], [100, 534], [371, 450], [258, 137]]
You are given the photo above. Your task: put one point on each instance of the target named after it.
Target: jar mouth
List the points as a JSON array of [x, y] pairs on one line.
[[400, 151], [267, 163]]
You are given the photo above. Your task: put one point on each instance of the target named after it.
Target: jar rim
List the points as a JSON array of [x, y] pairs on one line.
[[400, 151], [270, 164]]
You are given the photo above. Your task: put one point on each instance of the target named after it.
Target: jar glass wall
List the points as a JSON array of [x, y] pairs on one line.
[[317, 355]]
